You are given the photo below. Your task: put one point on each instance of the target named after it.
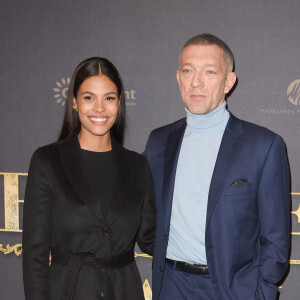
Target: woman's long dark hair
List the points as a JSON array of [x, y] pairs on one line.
[[92, 67]]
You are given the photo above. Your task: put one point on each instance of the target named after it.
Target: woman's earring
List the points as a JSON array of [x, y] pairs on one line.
[[75, 108]]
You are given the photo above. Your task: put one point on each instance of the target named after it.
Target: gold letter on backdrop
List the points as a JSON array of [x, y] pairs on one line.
[[11, 202]]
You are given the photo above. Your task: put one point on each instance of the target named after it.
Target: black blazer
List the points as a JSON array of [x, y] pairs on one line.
[[59, 216]]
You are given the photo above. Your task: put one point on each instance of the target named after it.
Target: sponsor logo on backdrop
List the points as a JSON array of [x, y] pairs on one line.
[[62, 87], [293, 92], [293, 97], [61, 91], [130, 97]]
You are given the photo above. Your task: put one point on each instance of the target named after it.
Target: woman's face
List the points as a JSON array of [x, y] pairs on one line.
[[97, 103]]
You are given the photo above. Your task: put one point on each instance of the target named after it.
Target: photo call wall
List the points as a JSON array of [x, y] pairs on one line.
[[43, 41]]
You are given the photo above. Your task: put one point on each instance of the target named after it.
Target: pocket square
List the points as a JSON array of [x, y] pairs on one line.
[[239, 182]]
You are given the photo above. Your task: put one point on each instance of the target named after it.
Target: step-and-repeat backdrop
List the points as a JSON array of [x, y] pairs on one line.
[[42, 42]]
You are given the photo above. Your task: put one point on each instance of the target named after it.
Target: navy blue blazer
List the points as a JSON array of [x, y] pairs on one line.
[[248, 212]]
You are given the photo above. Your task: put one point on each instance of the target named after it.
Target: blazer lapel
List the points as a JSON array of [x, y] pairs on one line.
[[124, 184], [229, 148], [73, 165], [71, 159], [170, 164]]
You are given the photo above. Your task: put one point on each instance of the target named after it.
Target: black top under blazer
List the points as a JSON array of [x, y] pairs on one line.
[[92, 254]]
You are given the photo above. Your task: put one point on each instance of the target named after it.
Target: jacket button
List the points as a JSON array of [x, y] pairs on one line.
[[209, 247], [106, 231], [161, 268], [215, 281], [101, 294], [165, 236]]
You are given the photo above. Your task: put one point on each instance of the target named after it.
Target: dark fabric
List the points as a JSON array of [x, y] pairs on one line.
[[247, 234], [61, 215], [75, 262], [74, 266], [178, 285], [187, 267], [101, 171]]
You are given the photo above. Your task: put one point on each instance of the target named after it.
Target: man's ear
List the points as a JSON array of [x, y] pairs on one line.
[[177, 77], [230, 81]]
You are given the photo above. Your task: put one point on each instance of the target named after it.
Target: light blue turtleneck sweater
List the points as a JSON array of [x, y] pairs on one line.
[[197, 158]]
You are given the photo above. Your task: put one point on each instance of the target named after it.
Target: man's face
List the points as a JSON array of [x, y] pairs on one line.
[[203, 78]]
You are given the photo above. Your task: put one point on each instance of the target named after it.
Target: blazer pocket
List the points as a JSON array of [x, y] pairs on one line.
[[241, 188]]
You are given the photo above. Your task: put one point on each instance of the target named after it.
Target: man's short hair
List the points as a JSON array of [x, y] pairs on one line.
[[206, 39]]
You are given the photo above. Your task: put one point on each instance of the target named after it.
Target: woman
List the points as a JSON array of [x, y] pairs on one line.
[[88, 199]]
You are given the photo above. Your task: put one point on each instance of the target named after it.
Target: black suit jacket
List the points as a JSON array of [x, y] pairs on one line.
[[59, 215]]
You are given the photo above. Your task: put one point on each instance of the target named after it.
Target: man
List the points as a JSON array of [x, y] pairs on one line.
[[222, 191]]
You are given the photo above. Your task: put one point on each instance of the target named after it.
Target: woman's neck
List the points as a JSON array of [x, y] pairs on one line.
[[94, 143]]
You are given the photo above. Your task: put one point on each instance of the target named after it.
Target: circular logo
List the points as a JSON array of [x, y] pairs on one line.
[[293, 92], [61, 90]]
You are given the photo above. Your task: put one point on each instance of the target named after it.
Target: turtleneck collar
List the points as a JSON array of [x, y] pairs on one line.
[[211, 119]]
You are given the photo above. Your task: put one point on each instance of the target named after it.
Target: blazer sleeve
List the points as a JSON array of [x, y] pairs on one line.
[[274, 216], [146, 234], [36, 229]]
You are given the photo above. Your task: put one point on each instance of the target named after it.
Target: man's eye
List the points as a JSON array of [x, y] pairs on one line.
[[211, 72], [186, 71]]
